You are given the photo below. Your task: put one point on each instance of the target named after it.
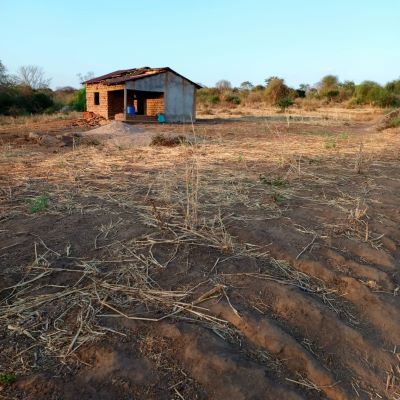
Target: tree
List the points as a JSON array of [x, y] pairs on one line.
[[271, 78], [276, 90], [223, 84], [32, 76], [393, 86], [3, 75], [346, 90], [328, 84], [304, 87], [85, 77], [79, 101], [246, 85]]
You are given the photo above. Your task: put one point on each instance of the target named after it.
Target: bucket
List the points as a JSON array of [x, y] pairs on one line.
[[130, 110], [161, 118]]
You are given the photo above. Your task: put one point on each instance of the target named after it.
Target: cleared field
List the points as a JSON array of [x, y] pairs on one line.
[[261, 261]]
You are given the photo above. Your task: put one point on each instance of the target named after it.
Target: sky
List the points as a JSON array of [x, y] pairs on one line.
[[208, 40]]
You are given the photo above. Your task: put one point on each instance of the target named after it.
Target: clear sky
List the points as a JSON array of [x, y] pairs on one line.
[[207, 40]]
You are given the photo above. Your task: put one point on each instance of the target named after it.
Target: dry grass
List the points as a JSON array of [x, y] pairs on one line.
[[189, 197], [28, 120]]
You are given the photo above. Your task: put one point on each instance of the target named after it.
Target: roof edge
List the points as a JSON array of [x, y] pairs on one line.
[[158, 71]]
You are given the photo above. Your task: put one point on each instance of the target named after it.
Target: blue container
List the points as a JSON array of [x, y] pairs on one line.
[[130, 110], [161, 118]]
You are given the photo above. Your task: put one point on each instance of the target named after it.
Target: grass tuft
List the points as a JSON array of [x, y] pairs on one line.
[[7, 379], [38, 204], [276, 182]]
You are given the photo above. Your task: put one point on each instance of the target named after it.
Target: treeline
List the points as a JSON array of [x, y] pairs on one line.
[[28, 92], [276, 92]]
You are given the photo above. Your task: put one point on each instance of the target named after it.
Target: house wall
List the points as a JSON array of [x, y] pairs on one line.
[[179, 95], [180, 98], [103, 108], [178, 101], [154, 83], [155, 105]]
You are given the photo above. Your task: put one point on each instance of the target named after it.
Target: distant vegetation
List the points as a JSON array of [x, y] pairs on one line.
[[28, 92], [275, 92]]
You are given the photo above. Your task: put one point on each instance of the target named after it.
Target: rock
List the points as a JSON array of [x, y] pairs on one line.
[[67, 140], [47, 140], [34, 137], [66, 109]]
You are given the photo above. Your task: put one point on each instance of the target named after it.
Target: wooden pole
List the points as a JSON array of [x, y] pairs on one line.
[[125, 101]]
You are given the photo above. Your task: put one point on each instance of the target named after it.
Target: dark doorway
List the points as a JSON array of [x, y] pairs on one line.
[[141, 103]]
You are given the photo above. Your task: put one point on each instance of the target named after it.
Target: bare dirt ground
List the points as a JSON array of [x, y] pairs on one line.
[[260, 262]]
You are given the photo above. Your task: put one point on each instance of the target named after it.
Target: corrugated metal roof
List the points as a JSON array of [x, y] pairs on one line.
[[124, 75]]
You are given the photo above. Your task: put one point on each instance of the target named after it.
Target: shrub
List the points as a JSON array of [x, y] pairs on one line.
[[79, 101], [394, 122], [231, 98], [56, 107], [276, 90], [168, 141], [331, 94], [284, 103], [213, 99], [255, 96]]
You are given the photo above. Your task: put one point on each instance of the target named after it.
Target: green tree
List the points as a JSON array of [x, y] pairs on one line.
[[79, 101], [3, 75], [393, 86]]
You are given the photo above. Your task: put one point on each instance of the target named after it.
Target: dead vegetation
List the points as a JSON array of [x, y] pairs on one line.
[[254, 260]]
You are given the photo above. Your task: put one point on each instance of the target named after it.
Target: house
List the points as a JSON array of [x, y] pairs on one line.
[[140, 94]]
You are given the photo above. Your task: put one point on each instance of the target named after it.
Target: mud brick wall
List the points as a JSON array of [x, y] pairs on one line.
[[102, 108], [155, 105]]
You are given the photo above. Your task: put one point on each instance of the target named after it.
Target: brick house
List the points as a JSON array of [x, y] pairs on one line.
[[151, 91]]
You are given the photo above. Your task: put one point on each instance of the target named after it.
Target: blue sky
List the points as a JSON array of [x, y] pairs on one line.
[[208, 40]]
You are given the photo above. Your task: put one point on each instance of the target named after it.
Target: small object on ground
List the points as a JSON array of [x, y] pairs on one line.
[[161, 118], [389, 120], [48, 140], [33, 136], [168, 141], [130, 110]]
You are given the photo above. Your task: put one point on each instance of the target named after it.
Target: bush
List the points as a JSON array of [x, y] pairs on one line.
[[284, 103], [79, 101], [231, 98], [168, 141], [331, 94], [56, 107], [213, 99], [255, 96], [276, 90], [394, 122], [24, 100]]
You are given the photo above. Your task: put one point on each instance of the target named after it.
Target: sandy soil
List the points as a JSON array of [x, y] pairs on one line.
[[120, 134], [261, 262]]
